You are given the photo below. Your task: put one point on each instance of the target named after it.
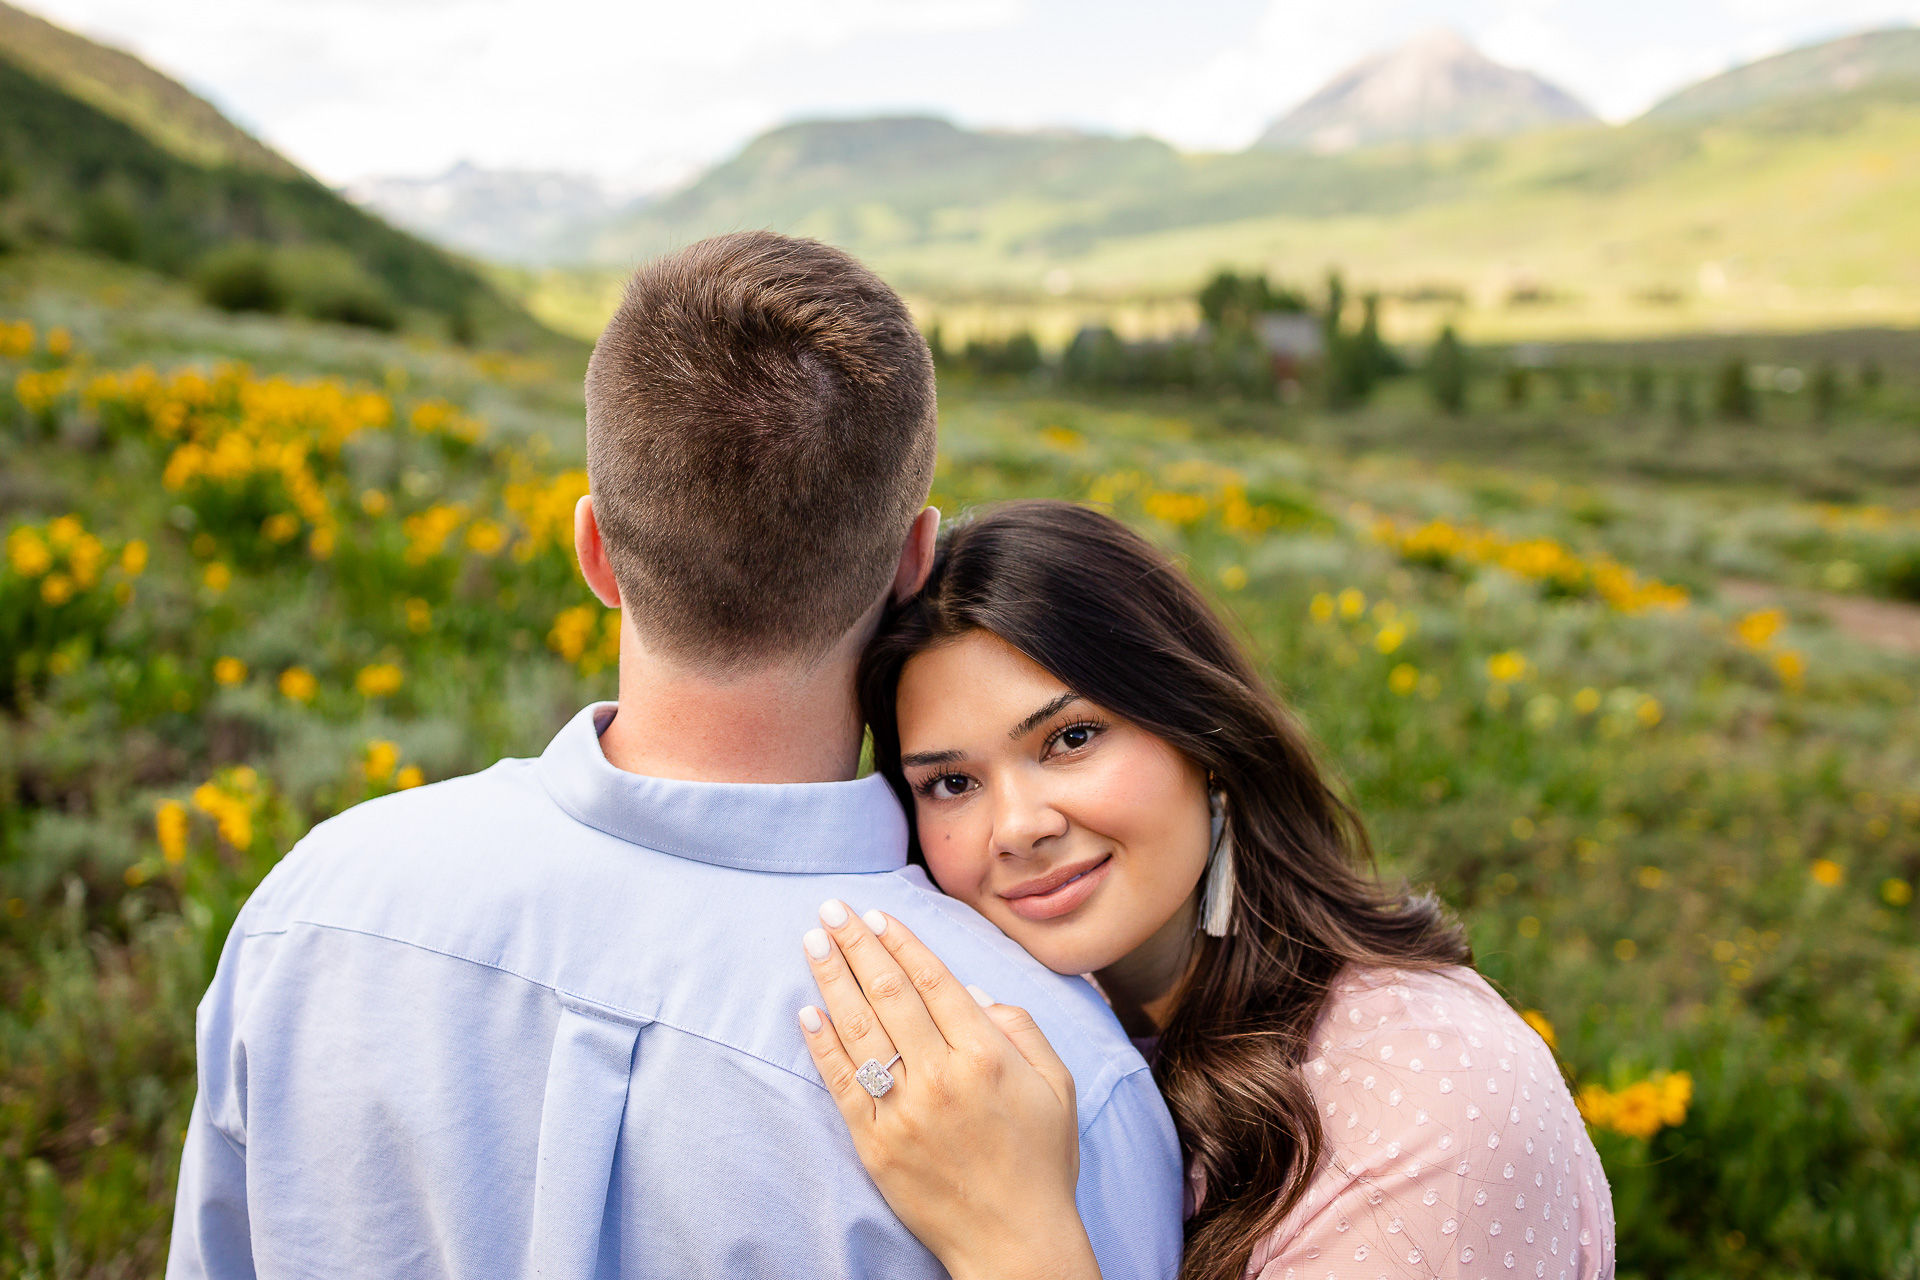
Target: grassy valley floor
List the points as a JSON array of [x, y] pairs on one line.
[[1579, 663]]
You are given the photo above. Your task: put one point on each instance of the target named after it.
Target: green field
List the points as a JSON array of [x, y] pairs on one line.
[[1596, 673]]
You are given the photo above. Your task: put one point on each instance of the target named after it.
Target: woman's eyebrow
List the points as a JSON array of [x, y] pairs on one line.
[[930, 757], [1026, 726]]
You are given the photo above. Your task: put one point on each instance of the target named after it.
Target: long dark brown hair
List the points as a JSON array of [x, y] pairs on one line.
[[1121, 625]]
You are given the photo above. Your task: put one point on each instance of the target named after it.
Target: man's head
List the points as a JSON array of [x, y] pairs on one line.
[[760, 437]]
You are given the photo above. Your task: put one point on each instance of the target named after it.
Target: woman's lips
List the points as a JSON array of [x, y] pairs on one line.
[[1052, 896]]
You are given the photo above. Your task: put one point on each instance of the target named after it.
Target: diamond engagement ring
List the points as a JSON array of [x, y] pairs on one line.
[[874, 1078]]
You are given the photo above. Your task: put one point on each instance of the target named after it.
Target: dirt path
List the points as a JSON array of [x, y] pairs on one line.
[[1886, 624]]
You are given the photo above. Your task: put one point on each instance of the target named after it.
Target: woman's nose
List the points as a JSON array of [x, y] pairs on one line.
[[1025, 818]]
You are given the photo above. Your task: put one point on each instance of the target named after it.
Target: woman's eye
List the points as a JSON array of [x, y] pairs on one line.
[[1072, 738], [947, 786]]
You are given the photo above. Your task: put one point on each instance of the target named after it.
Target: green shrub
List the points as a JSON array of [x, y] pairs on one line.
[[241, 278], [106, 226], [1732, 393], [327, 283]]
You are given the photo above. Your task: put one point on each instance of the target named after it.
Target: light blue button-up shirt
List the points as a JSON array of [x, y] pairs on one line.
[[540, 1021]]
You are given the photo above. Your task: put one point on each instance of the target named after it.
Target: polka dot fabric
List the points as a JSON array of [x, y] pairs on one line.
[[1453, 1146]]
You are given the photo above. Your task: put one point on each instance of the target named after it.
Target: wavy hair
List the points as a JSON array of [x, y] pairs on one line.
[[1120, 624]]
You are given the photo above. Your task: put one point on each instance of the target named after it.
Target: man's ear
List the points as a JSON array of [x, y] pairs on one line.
[[594, 565], [916, 558]]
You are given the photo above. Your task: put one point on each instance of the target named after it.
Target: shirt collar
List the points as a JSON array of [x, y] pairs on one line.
[[810, 827]]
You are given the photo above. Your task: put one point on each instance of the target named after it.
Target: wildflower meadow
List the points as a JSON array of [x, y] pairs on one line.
[[262, 572]]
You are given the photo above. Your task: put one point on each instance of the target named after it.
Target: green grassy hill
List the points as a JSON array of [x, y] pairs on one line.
[[1853, 62], [100, 153], [120, 85], [1793, 213]]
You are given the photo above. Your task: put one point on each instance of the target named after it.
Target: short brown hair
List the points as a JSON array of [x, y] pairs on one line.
[[760, 436]]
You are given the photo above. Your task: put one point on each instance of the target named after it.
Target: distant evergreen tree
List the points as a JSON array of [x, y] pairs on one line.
[[1732, 392], [1353, 359], [1517, 385], [1568, 379], [1447, 373], [1686, 408], [1825, 391], [1231, 302], [1014, 356], [1095, 358], [1640, 388]]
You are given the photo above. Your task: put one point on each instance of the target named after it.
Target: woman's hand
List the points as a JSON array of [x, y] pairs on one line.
[[976, 1147]]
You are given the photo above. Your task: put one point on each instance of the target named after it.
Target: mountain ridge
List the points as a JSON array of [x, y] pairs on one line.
[[1436, 85], [164, 192], [119, 85], [1862, 60]]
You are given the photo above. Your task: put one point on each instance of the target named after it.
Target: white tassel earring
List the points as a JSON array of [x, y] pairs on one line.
[[1216, 900]]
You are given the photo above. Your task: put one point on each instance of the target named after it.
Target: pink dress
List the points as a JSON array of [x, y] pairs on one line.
[[1453, 1145]]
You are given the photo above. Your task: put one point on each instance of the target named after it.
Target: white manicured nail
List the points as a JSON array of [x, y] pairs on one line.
[[876, 922], [815, 941], [810, 1019], [833, 913], [980, 997]]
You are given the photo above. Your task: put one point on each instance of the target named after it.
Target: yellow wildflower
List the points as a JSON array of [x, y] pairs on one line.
[[232, 814], [1538, 1021], [382, 756], [1321, 607], [229, 670], [1233, 577], [27, 554], [486, 537], [419, 616], [218, 577], [1404, 678], [1353, 602], [1176, 508], [1756, 629], [409, 778], [170, 826], [298, 684], [1507, 668], [1827, 872], [56, 588], [1587, 701], [378, 680]]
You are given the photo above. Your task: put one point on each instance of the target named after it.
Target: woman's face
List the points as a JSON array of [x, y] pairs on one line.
[[1079, 834]]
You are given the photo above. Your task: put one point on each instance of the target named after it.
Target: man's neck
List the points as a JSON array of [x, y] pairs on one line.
[[785, 723]]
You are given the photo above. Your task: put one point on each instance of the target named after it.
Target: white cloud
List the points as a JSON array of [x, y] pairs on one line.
[[621, 87], [356, 86]]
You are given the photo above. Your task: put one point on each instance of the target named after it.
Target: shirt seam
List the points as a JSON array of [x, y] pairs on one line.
[[737, 862], [647, 1019]]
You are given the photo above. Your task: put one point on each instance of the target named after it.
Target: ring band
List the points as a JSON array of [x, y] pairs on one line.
[[874, 1078]]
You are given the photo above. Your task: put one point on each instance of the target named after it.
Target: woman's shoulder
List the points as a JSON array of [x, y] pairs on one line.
[[1449, 1135], [1402, 1012]]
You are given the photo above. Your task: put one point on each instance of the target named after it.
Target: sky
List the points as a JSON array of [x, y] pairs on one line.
[[644, 92]]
